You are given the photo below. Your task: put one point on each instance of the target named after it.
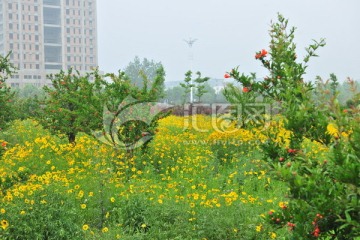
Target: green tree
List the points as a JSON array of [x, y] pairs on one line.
[[143, 71], [209, 95], [187, 85], [27, 101], [130, 120], [200, 85], [323, 193], [175, 95], [6, 95], [73, 104], [30, 90], [190, 85], [285, 84]]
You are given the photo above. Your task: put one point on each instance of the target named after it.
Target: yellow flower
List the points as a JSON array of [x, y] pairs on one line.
[[85, 227], [143, 225], [105, 229], [83, 206], [112, 199], [22, 212], [196, 196], [160, 201], [283, 205], [2, 211], [332, 129], [80, 194], [259, 228], [4, 224], [272, 235]]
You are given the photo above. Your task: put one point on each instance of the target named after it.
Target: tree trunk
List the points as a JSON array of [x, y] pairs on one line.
[[71, 138]]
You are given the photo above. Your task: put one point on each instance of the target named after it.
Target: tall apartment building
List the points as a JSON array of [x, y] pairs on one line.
[[46, 36]]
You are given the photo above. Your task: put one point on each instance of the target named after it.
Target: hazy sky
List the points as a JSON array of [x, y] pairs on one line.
[[229, 32]]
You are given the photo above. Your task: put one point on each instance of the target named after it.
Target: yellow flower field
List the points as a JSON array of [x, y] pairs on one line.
[[189, 184]]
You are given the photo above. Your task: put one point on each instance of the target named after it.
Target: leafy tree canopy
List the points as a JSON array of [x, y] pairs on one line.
[[143, 70]]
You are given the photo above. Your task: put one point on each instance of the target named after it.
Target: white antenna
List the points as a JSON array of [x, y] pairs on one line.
[[190, 42]]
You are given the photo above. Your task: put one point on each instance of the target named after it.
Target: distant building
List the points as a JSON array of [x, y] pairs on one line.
[[46, 36]]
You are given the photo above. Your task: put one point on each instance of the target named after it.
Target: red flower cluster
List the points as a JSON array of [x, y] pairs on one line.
[[261, 54], [227, 75], [3, 144], [291, 226], [316, 232], [291, 151]]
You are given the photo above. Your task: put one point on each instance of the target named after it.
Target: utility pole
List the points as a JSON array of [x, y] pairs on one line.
[[190, 42]]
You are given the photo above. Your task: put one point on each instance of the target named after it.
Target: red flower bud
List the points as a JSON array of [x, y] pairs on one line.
[[227, 75]]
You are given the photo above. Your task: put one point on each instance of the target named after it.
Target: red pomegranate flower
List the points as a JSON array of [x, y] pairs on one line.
[[246, 89], [316, 232], [261, 54]]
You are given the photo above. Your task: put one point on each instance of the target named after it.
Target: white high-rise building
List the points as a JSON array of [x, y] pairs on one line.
[[46, 36]]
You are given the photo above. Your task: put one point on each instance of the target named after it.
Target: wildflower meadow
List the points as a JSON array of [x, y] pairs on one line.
[[98, 160]]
